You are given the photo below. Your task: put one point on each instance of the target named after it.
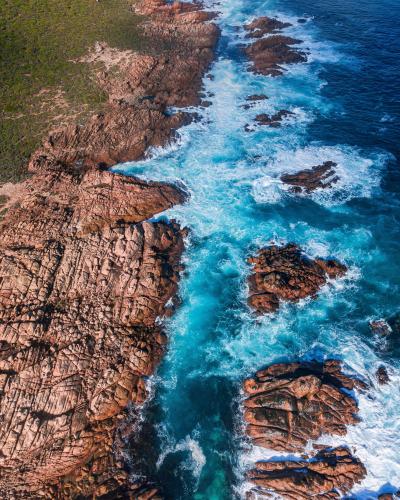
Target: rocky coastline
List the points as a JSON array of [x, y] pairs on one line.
[[88, 269], [85, 274]]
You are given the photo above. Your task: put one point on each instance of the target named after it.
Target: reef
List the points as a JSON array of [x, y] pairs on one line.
[[284, 273], [87, 270]]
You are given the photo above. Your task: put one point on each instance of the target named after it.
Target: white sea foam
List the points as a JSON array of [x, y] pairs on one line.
[[359, 177]]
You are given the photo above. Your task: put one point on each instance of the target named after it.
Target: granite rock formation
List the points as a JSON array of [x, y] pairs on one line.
[[289, 404], [327, 475], [83, 279], [85, 274], [143, 88], [284, 273], [308, 180], [269, 53]]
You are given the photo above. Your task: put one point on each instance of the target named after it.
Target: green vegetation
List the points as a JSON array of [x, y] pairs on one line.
[[40, 85]]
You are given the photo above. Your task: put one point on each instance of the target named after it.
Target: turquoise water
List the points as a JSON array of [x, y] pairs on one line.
[[193, 442]]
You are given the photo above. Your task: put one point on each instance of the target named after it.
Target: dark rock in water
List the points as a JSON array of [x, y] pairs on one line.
[[268, 54], [285, 273], [394, 323], [273, 120], [301, 20], [256, 97], [322, 476], [318, 177], [289, 404], [380, 327], [382, 375]]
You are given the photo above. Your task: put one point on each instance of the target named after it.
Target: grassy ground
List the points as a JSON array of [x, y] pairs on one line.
[[40, 86]]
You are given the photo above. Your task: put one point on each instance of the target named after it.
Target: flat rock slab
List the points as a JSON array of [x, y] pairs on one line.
[[324, 475], [284, 273], [308, 180], [289, 404]]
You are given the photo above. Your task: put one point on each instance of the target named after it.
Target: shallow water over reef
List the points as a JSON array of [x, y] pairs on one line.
[[344, 105]]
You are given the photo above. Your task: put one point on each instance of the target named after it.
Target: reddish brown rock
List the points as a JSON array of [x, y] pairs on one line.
[[84, 274], [308, 180], [144, 87], [327, 475], [284, 273], [268, 54], [289, 404], [264, 26]]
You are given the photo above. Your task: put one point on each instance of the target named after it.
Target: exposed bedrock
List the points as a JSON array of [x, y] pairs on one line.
[[144, 86], [85, 275], [269, 53], [289, 404], [308, 180], [83, 278], [284, 273], [326, 475]]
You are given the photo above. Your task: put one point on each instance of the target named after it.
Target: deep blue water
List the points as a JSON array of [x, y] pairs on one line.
[[346, 105]]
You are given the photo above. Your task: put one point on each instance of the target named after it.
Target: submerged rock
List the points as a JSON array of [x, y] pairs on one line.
[[382, 375], [380, 327], [256, 97], [318, 177], [324, 475], [289, 404], [285, 273]]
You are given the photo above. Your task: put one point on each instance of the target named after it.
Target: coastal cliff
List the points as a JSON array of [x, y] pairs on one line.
[[85, 274]]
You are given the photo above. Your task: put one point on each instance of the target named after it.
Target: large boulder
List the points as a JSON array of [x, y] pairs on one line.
[[327, 475], [287, 405], [284, 273]]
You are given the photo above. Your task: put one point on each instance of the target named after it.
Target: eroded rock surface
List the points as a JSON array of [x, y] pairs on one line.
[[284, 273], [84, 274], [327, 475], [83, 278], [308, 180], [289, 404], [269, 53], [143, 88]]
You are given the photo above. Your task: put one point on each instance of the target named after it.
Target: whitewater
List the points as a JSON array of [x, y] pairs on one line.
[[236, 205]]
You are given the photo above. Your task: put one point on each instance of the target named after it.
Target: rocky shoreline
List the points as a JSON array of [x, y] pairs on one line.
[[85, 275]]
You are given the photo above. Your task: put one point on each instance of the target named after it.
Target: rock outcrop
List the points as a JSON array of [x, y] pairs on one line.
[[289, 404], [85, 274], [284, 273], [144, 87], [327, 475], [269, 53], [83, 279], [308, 180]]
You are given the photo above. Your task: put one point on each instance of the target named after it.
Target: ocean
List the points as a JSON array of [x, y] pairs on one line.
[[345, 101]]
